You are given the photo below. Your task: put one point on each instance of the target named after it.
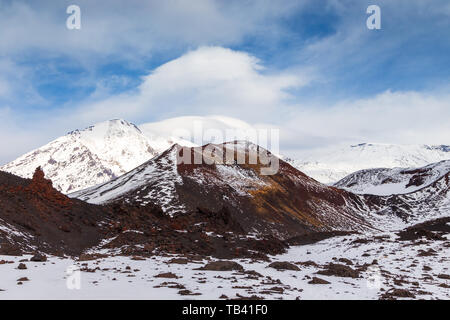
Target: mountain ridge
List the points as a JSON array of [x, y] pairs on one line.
[[333, 164]]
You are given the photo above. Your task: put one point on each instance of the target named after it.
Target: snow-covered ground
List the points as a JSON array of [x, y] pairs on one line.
[[399, 264]]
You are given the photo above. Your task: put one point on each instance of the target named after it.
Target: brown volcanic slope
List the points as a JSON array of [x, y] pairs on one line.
[[284, 205], [34, 216]]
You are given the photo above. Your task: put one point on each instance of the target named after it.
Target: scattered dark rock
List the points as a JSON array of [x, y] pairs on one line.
[[22, 266], [283, 265], [316, 280], [277, 289], [339, 270], [186, 292], [9, 249], [314, 237], [168, 275], [360, 241], [89, 257], [136, 258], [178, 261], [415, 233], [395, 292], [38, 257], [252, 274], [222, 266], [308, 263], [346, 261], [430, 230], [426, 253], [254, 297], [23, 279]]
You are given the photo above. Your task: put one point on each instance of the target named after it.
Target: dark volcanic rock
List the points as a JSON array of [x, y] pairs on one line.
[[397, 293], [188, 293], [9, 249], [178, 261], [429, 230], [222, 266], [283, 265], [314, 237], [23, 279], [339, 270], [49, 220], [22, 266], [346, 261], [168, 275], [39, 257], [316, 280]]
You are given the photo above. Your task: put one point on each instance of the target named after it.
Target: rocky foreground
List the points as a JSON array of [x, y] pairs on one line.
[[411, 264]]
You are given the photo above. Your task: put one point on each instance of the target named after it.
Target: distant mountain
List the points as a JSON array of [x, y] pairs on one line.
[[195, 128], [384, 181], [331, 165]]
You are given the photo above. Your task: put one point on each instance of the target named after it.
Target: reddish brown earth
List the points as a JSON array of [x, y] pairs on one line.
[[44, 218], [290, 204]]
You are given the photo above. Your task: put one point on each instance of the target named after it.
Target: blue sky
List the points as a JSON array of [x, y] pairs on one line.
[[320, 56]]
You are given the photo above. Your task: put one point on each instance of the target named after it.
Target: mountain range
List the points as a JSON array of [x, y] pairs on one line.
[[102, 152], [221, 201], [118, 189], [333, 164], [386, 181]]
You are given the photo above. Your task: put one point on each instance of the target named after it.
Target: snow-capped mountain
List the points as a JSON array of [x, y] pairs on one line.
[[285, 204], [331, 165], [84, 158], [384, 181], [198, 129]]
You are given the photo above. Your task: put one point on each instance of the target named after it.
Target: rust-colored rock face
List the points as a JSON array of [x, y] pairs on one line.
[[33, 213], [42, 187]]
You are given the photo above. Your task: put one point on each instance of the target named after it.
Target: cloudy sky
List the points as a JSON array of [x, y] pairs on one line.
[[310, 67]]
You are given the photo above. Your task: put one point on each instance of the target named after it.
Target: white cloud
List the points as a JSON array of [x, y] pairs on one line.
[[215, 80], [136, 29], [209, 80], [390, 117]]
